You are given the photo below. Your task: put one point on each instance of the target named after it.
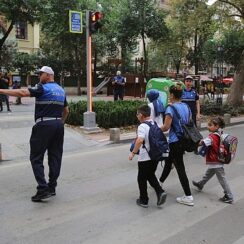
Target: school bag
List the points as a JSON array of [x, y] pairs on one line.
[[189, 135], [227, 147], [159, 147]]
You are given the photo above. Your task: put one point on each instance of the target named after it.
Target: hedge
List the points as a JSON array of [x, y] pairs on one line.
[[123, 113], [108, 114]]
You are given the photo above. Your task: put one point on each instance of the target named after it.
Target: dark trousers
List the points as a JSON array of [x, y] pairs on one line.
[[118, 94], [4, 99], [47, 136], [146, 172], [176, 158]]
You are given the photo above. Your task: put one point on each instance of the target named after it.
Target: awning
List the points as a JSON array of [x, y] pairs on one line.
[[228, 81], [205, 78]]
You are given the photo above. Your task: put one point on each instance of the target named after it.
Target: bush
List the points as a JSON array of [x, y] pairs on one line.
[[214, 109], [108, 114]]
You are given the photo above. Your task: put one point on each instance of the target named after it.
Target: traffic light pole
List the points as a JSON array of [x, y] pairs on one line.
[[89, 117]]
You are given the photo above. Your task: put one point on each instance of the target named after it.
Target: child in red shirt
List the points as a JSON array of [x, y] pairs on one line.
[[215, 166]]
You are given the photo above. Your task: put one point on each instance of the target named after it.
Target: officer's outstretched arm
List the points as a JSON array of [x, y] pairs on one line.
[[15, 92]]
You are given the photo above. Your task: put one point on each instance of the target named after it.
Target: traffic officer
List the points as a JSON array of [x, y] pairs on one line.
[[191, 97], [51, 110], [119, 84]]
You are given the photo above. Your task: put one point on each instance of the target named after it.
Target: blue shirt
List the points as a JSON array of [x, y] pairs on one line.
[[190, 97], [50, 100], [185, 115]]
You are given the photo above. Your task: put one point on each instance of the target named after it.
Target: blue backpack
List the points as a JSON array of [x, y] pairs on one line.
[[159, 147]]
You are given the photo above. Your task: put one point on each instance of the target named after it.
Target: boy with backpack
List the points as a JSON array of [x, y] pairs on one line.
[[210, 147], [146, 166]]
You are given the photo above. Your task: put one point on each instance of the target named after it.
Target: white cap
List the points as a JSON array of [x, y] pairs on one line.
[[188, 77], [47, 69], [118, 73]]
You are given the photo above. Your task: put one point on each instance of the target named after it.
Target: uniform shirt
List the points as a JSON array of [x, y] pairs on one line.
[[184, 113], [190, 97], [120, 80], [158, 119], [142, 132], [50, 100]]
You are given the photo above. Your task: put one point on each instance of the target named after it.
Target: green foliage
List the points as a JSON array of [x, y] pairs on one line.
[[213, 109], [8, 54], [25, 62], [233, 46], [108, 114]]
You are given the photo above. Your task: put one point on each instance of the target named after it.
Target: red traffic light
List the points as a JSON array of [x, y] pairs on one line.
[[96, 16], [94, 23]]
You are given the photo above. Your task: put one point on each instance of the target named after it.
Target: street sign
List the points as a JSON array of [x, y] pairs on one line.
[[75, 22]]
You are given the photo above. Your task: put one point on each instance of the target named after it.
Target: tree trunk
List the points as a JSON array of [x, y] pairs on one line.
[[145, 56], [235, 97], [2, 40], [79, 84]]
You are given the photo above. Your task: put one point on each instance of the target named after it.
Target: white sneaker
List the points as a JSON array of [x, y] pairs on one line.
[[187, 200]]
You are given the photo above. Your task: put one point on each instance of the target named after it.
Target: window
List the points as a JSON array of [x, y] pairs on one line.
[[21, 30]]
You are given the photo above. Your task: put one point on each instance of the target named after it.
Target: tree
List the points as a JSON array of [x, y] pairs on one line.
[[8, 54], [59, 46], [196, 26], [232, 9]]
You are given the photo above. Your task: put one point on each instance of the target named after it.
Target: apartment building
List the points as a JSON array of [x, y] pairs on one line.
[[26, 35]]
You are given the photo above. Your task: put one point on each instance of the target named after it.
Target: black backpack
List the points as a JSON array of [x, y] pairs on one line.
[[159, 147], [189, 135]]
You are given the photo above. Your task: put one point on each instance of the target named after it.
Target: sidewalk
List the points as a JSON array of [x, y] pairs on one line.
[[15, 130]]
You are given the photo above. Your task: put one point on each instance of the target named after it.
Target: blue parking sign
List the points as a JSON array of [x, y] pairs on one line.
[[75, 22]]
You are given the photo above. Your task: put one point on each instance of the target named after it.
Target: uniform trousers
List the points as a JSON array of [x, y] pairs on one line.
[[47, 136]]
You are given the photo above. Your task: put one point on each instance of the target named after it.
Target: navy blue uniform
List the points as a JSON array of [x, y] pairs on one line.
[[119, 87], [48, 132], [190, 97]]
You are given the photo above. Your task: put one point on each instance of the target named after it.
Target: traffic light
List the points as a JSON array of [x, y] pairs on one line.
[[95, 21]]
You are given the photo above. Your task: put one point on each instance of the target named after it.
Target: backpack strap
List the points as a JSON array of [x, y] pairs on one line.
[[149, 124]]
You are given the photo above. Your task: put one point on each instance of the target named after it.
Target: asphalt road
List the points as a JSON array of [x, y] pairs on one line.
[[95, 203]]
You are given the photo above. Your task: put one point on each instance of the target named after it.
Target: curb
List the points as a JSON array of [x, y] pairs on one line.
[[129, 139]]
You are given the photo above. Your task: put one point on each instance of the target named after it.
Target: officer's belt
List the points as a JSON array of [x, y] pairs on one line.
[[46, 119]]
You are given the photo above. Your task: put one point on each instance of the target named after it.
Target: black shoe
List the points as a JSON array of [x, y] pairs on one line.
[[52, 191], [226, 199], [198, 185], [40, 195], [141, 204], [9, 110], [161, 198]]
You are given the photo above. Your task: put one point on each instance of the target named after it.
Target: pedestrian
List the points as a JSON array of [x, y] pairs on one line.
[[172, 124], [119, 86], [4, 84], [146, 167], [191, 97], [156, 106], [51, 110], [215, 167]]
